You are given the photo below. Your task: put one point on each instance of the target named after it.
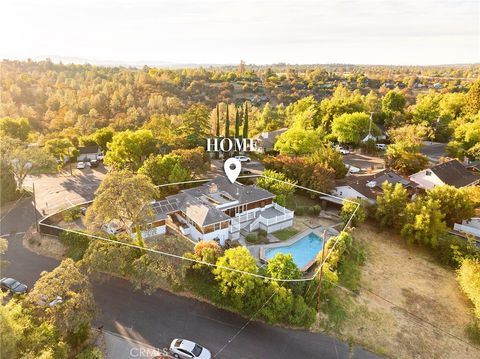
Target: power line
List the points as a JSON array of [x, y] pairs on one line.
[[244, 326], [215, 265]]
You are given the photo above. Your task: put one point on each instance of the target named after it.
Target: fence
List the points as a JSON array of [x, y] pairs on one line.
[[47, 224]]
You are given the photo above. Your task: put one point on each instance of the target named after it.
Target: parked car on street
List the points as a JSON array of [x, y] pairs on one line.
[[93, 163], [343, 150], [381, 146], [81, 165], [244, 171], [13, 286], [243, 158], [185, 349]]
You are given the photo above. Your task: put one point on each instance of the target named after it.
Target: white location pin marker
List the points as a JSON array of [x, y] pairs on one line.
[[232, 168]]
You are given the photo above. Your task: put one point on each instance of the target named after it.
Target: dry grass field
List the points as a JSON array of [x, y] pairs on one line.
[[403, 288]]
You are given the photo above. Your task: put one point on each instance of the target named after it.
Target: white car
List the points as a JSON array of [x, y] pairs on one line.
[[81, 165], [381, 146], [185, 349], [243, 158], [352, 169], [343, 151]]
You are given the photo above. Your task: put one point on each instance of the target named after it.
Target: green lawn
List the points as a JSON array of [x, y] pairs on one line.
[[286, 233], [300, 200]]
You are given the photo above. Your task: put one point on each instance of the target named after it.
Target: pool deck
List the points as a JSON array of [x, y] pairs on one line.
[[319, 231]]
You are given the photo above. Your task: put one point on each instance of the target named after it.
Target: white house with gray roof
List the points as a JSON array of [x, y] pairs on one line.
[[219, 210]]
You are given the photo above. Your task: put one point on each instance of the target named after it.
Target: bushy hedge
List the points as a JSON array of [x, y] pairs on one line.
[[468, 276], [75, 244], [72, 214]]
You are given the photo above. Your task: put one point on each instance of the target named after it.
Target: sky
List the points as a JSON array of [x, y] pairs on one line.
[[390, 32]]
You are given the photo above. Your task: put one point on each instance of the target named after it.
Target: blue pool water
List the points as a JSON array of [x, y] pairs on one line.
[[303, 251]]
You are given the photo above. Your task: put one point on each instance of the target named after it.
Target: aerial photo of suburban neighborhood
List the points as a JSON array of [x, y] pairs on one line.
[[162, 198]]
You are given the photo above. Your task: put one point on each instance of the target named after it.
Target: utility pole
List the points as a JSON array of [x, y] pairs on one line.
[[321, 268], [35, 207]]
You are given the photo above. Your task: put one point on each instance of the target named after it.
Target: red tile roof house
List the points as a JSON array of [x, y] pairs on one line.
[[218, 210]]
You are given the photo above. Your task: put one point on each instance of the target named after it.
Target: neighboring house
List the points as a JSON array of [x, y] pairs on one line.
[[266, 140], [369, 187], [219, 210], [473, 166], [89, 153], [468, 227], [452, 173]]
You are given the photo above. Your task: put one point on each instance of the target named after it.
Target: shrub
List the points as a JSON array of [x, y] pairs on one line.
[[72, 214], [300, 211], [451, 250], [76, 244], [252, 238], [473, 331], [468, 277], [348, 210], [317, 209]]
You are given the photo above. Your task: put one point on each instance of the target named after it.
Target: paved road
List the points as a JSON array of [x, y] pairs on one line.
[[434, 150], [156, 319]]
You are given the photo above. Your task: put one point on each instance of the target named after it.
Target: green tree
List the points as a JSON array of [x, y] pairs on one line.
[[427, 109], [123, 196], [352, 128], [342, 102], [354, 209], [423, 222], [29, 161], [391, 205], [297, 141], [238, 288], [129, 148], [217, 123], [237, 123], [245, 121], [196, 160], [455, 204], [165, 169], [195, 127], [18, 128], [468, 276], [278, 184], [76, 311], [403, 161], [25, 336], [227, 124], [329, 157], [393, 106], [473, 99], [8, 186], [282, 266], [103, 136]]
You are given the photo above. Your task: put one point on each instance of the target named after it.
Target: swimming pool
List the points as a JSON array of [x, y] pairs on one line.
[[303, 251]]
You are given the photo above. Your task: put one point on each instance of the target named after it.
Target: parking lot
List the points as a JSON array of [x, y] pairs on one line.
[[62, 190]]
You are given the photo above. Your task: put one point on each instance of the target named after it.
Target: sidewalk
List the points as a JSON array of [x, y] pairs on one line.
[[115, 346]]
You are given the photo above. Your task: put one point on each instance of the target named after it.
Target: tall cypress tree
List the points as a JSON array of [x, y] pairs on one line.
[[245, 122], [217, 127], [227, 124], [237, 123]]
